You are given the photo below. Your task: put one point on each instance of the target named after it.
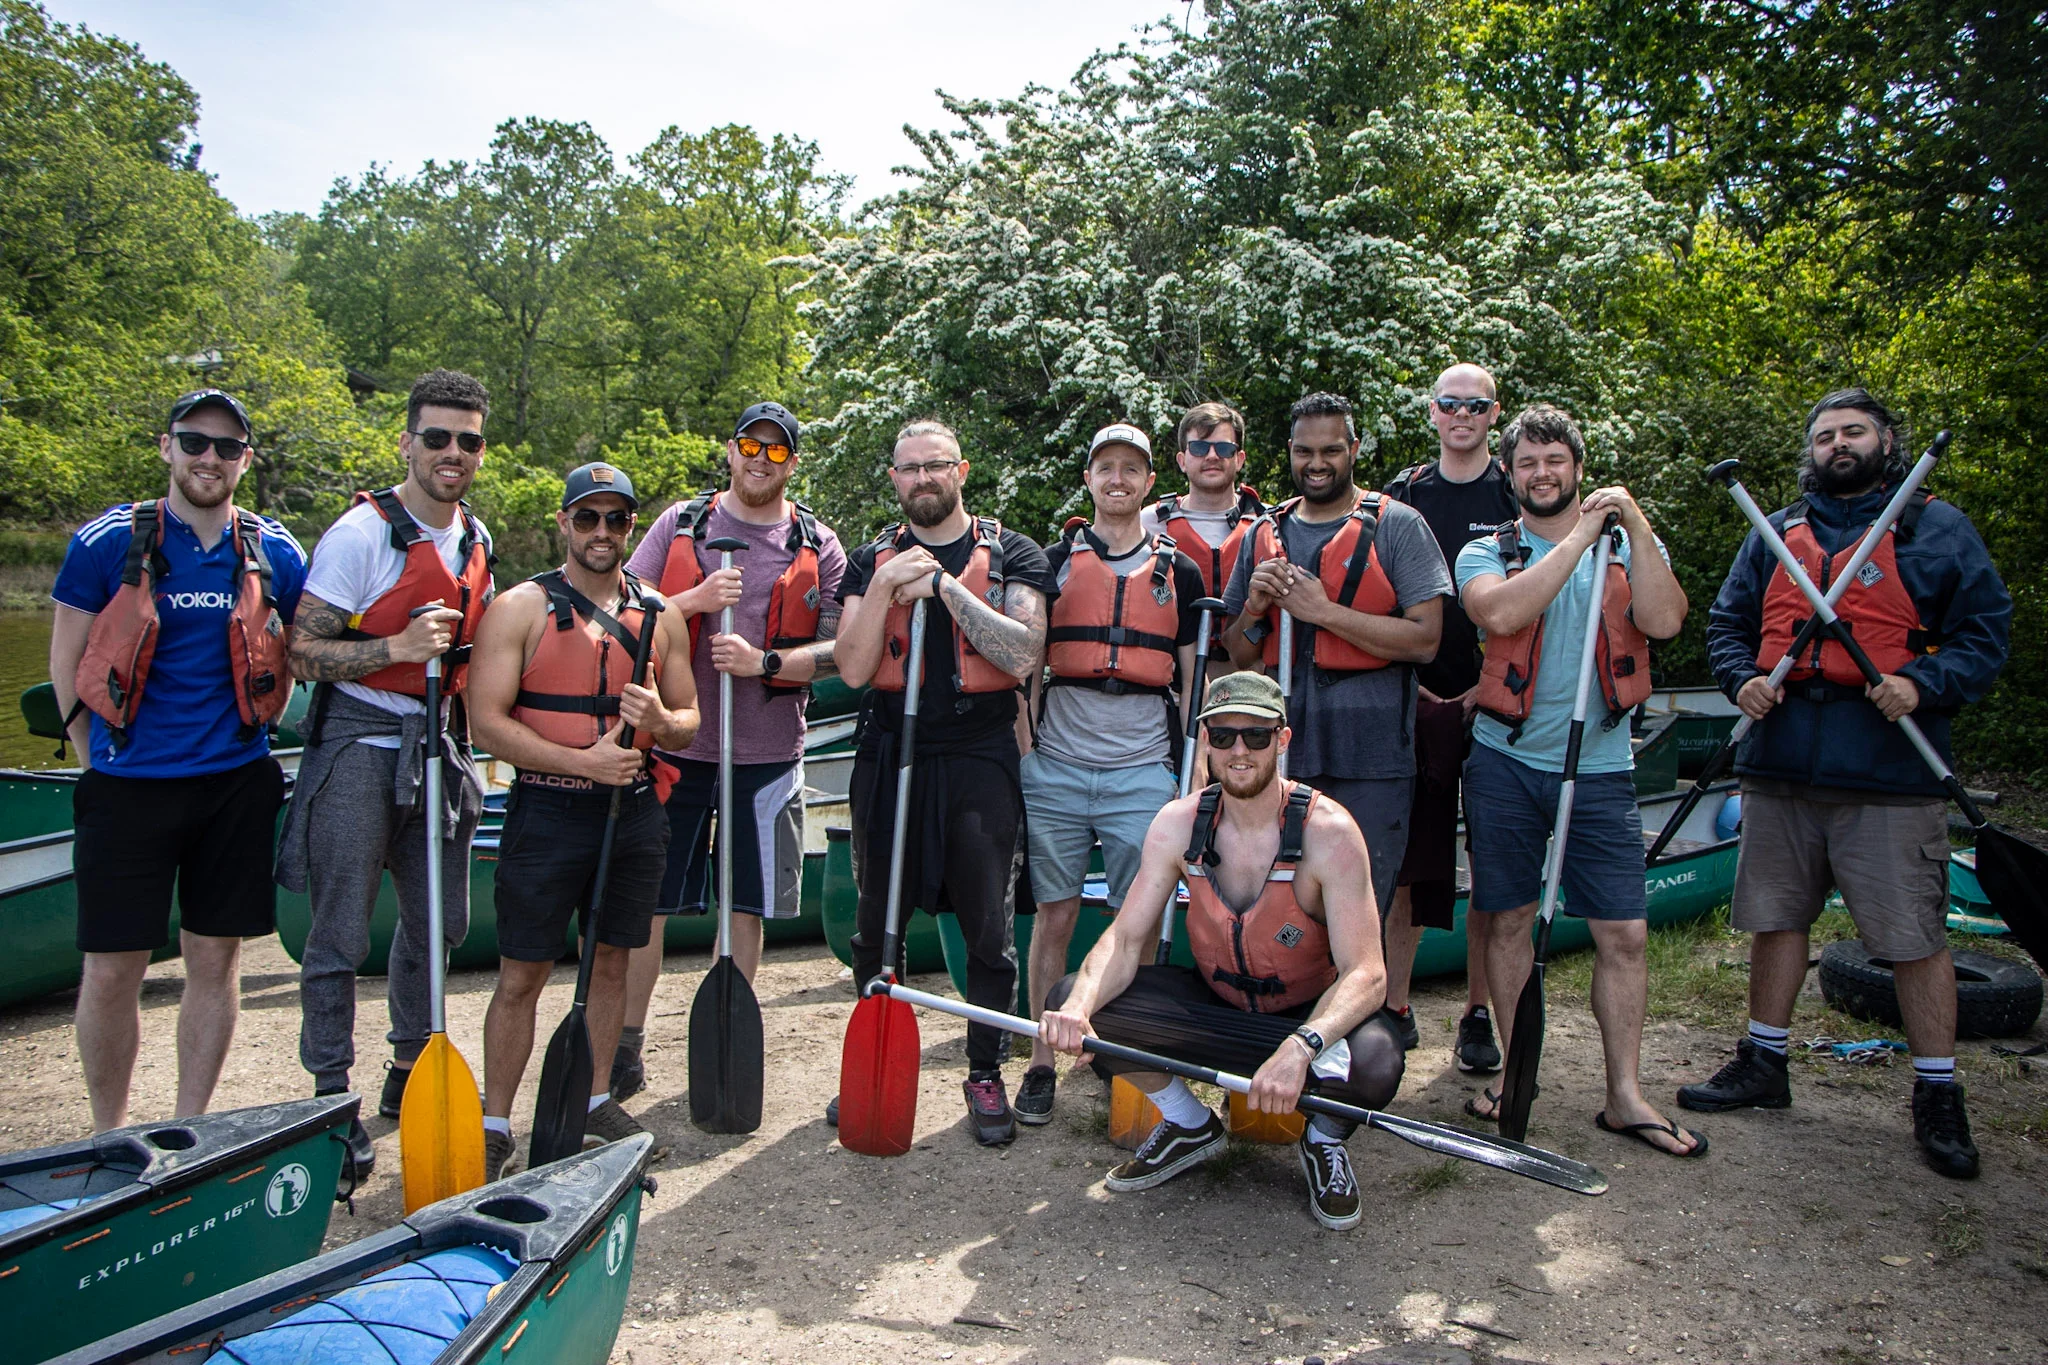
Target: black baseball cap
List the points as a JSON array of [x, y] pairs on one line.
[[587, 480], [200, 398], [769, 412]]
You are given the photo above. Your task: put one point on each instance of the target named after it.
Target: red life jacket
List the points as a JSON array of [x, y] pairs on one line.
[[983, 577], [1106, 633], [1880, 613], [797, 598], [1215, 561], [1621, 658], [122, 642], [1349, 578], [569, 691], [1274, 955], [425, 579]]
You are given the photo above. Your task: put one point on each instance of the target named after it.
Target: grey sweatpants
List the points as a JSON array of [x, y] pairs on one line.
[[354, 834]]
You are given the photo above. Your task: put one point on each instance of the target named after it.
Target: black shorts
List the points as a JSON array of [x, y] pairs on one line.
[[547, 860], [768, 840], [214, 836]]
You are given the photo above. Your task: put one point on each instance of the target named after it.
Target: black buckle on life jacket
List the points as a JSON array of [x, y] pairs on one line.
[[567, 604], [606, 705], [1202, 834], [1250, 985]]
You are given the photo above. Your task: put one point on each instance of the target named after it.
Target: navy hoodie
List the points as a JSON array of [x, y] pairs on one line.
[[1848, 742]]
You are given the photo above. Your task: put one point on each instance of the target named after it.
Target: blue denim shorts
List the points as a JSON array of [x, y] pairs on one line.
[[1068, 807], [1509, 810]]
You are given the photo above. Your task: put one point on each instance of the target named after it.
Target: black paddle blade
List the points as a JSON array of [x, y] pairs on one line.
[[2014, 874], [1503, 1154], [726, 1052], [565, 1083], [1525, 1054]]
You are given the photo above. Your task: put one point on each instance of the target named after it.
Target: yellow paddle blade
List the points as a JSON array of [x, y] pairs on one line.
[[440, 1127]]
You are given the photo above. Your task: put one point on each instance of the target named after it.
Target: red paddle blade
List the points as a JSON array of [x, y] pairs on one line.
[[878, 1078]]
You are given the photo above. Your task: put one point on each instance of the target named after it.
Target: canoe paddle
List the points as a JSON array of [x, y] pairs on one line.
[[878, 1061], [1210, 607], [565, 1073], [726, 1046], [2013, 871], [1286, 680], [441, 1118], [1483, 1148], [1807, 630], [1525, 1041]]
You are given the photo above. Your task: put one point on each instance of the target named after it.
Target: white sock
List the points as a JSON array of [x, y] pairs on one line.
[[492, 1125], [1769, 1037], [596, 1100], [1178, 1105], [1316, 1132], [1935, 1070]]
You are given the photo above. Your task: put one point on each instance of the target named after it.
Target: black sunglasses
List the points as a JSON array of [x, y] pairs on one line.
[[585, 519], [197, 442], [1223, 449], [1475, 406], [1255, 736], [437, 438]]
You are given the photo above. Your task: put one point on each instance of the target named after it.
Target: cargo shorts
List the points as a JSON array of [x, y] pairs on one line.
[[1890, 862]]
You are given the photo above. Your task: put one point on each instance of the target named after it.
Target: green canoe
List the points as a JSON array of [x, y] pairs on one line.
[[532, 1270], [99, 1235], [1700, 718]]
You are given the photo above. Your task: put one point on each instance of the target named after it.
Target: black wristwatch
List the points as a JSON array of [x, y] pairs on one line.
[[771, 664], [1312, 1038]]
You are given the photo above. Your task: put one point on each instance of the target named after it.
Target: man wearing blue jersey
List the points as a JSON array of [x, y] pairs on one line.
[[179, 785]]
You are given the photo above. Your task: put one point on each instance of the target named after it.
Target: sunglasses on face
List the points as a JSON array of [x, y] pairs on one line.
[[198, 442], [1475, 406], [777, 453], [585, 519], [1221, 449], [1255, 736], [437, 438]]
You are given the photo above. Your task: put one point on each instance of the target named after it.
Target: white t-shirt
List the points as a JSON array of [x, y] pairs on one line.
[[355, 564]]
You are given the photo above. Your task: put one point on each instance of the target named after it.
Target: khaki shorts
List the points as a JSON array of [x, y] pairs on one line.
[[1891, 863]]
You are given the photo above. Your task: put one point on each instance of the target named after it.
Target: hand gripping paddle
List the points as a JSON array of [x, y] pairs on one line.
[[1525, 1041], [1484, 1148], [879, 1060], [2013, 871], [726, 1046], [565, 1075], [441, 1119]]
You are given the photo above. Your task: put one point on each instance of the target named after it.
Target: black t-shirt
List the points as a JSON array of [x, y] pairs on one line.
[[945, 716], [1458, 513]]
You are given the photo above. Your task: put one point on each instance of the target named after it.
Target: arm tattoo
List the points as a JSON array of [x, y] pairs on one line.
[[1012, 639], [820, 650], [320, 655]]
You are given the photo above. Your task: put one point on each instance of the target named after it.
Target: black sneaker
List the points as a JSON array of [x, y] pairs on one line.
[[359, 1154], [629, 1074], [1943, 1130], [1170, 1150], [498, 1149], [988, 1105], [1332, 1189], [393, 1099], [1404, 1028], [1034, 1097], [609, 1122], [832, 1113], [1755, 1078], [1476, 1052]]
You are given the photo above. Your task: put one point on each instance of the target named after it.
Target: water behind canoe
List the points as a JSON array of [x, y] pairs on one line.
[[24, 662]]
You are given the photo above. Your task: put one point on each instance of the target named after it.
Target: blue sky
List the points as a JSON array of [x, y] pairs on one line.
[[295, 94]]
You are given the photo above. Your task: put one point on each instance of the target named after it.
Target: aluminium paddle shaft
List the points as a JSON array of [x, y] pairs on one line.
[[1209, 607], [1589, 653], [892, 923], [725, 545]]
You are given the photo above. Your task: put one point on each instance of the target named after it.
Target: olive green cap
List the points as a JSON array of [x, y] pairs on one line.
[[1252, 694]]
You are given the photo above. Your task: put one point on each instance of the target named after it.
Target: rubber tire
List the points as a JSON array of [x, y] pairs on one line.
[[1995, 997]]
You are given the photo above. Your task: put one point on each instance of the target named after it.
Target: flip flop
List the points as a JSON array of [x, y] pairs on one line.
[[1638, 1130], [1472, 1105]]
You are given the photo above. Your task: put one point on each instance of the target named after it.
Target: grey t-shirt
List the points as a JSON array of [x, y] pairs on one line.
[[1355, 725]]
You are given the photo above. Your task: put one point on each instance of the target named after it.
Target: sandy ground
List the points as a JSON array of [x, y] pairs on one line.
[[1811, 1234]]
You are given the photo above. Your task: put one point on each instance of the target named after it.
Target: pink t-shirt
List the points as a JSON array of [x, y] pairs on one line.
[[767, 723]]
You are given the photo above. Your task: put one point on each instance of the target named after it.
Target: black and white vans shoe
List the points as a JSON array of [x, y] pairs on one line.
[[1170, 1150], [1332, 1189]]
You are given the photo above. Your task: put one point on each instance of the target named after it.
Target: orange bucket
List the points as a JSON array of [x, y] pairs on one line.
[[1132, 1116], [1253, 1126]]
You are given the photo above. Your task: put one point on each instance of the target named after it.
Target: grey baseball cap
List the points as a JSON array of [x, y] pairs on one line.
[[587, 480], [1121, 433]]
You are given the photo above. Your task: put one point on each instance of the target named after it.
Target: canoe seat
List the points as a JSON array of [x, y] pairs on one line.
[[406, 1314], [1677, 846]]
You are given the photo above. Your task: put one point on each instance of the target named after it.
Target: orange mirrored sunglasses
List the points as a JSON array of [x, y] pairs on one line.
[[777, 453]]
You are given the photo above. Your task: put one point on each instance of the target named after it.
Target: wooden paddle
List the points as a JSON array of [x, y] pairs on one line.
[[565, 1073], [1525, 1040], [879, 1059], [441, 1119], [1807, 631], [2013, 871], [1483, 1148], [726, 1046]]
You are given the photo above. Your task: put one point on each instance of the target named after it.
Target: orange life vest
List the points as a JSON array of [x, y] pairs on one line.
[[1109, 631], [1621, 658], [983, 577], [1880, 613], [1349, 578], [1274, 955], [1215, 561], [122, 642], [569, 691], [425, 579], [797, 598]]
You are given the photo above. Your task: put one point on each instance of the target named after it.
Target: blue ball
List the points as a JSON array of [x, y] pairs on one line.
[[1728, 819]]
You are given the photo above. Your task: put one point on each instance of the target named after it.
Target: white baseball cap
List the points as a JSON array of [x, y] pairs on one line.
[[1121, 433]]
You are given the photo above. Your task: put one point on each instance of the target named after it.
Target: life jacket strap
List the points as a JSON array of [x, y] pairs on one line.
[[606, 705], [1250, 985], [567, 604]]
